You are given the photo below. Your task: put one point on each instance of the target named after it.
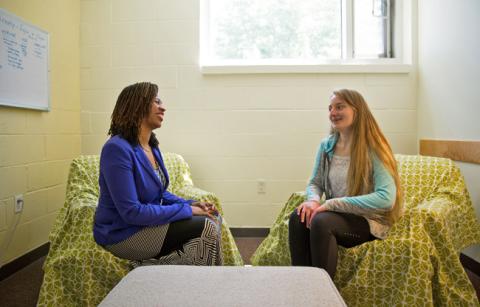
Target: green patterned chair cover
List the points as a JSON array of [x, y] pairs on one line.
[[418, 264], [78, 272]]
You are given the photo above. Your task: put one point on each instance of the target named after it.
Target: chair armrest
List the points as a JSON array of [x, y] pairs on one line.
[[442, 216], [73, 223], [231, 254], [72, 237]]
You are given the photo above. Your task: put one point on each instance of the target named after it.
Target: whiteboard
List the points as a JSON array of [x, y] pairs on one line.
[[24, 74]]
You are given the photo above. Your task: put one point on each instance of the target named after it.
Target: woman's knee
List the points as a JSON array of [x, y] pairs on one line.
[[322, 222], [295, 225], [213, 226]]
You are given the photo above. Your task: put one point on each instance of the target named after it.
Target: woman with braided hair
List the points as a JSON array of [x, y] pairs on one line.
[[137, 218]]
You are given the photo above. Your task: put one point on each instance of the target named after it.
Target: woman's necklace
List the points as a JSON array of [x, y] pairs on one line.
[[144, 149]]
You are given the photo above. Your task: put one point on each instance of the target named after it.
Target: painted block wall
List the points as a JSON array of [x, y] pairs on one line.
[[36, 147]]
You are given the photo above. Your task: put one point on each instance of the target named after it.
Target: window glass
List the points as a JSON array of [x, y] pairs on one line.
[[273, 29], [370, 29], [308, 31]]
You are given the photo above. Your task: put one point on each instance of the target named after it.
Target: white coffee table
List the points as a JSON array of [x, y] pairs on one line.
[[224, 286]]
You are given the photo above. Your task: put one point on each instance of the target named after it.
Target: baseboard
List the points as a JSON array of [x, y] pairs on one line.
[[471, 264], [22, 261], [250, 231]]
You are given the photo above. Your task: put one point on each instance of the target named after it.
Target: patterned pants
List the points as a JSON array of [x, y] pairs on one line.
[[195, 241]]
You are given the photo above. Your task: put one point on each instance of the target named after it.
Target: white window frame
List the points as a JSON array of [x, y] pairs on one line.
[[402, 63]]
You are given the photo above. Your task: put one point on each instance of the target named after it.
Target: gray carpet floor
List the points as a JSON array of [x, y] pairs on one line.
[[22, 288]]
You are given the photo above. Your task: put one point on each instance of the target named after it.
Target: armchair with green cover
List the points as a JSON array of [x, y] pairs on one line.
[[418, 264], [78, 272]]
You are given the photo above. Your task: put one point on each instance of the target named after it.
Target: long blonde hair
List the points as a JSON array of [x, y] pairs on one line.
[[367, 139]]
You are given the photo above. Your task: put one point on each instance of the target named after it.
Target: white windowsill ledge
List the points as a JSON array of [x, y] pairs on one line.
[[306, 68]]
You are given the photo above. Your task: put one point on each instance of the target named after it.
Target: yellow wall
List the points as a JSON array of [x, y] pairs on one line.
[[36, 147]]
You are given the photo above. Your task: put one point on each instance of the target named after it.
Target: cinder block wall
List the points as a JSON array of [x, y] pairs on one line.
[[36, 147]]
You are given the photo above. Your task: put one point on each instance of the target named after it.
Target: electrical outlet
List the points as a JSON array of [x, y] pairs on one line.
[[18, 203], [261, 186]]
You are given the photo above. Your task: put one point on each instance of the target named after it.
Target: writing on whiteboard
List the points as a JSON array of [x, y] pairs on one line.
[[20, 41], [23, 63]]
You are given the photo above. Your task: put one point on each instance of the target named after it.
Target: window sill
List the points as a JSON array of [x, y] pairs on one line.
[[305, 68]]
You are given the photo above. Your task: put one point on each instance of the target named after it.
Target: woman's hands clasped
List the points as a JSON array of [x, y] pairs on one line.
[[204, 208]]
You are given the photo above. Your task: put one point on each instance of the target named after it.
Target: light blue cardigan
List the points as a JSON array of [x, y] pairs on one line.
[[373, 206]]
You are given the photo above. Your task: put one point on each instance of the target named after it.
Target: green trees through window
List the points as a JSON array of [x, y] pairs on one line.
[[305, 31], [272, 29]]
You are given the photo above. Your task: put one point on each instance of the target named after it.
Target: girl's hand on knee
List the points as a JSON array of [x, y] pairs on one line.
[[305, 210]]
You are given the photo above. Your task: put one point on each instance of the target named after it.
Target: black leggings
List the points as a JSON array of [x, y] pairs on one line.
[[318, 246]]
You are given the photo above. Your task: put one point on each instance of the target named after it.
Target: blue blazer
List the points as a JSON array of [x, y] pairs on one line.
[[131, 195]]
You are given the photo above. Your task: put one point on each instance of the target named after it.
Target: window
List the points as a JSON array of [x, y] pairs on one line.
[[291, 32]]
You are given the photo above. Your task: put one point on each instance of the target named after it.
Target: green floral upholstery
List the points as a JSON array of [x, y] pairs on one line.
[[418, 264], [78, 272]]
